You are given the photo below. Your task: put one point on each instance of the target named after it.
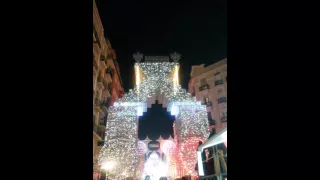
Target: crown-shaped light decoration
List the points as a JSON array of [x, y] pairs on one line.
[[175, 56], [137, 57]]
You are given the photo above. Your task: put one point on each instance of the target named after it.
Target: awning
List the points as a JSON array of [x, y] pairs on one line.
[[214, 140], [220, 137]]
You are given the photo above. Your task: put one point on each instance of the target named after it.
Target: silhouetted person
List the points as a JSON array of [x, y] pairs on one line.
[[209, 162]]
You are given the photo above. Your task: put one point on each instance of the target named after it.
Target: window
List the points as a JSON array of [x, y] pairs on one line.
[[217, 76], [203, 82], [206, 100], [223, 116], [220, 93], [221, 97], [217, 79]]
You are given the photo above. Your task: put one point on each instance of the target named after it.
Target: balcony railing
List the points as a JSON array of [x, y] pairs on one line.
[[101, 131], [97, 102], [224, 119], [218, 82], [100, 143], [109, 70], [107, 78], [205, 87], [222, 100], [100, 79], [104, 104], [212, 122], [102, 122]]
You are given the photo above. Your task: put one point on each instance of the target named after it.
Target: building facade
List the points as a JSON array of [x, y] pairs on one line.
[[107, 85], [209, 85]]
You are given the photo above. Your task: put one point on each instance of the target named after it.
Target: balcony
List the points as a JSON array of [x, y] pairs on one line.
[[212, 122], [218, 82], [106, 94], [223, 119], [107, 78], [103, 64], [110, 71], [100, 143], [103, 104], [97, 102], [96, 132], [205, 87], [102, 122], [222, 100], [100, 83], [101, 131], [96, 53]]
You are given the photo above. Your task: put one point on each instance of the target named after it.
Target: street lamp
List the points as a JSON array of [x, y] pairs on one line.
[[107, 166]]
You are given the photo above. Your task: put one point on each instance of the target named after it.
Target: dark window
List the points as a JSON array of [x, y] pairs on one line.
[[218, 82], [203, 82], [222, 100]]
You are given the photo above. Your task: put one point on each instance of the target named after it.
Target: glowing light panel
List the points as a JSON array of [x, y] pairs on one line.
[[174, 110], [168, 147], [140, 111], [142, 148]]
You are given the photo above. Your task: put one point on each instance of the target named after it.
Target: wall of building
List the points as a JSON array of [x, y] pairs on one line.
[[209, 85], [107, 84]]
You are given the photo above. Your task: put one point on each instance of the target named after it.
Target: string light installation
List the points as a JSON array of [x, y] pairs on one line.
[[168, 147], [121, 138], [142, 148], [188, 149]]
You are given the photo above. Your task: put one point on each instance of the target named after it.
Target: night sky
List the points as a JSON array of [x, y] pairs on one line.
[[155, 122], [198, 31]]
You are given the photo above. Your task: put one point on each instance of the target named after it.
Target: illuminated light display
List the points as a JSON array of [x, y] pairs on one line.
[[174, 110], [189, 151], [140, 111], [168, 147], [121, 142], [155, 167], [142, 147]]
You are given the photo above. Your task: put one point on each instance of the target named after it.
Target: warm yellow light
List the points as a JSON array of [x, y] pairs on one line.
[[108, 165], [137, 72], [176, 78], [176, 74]]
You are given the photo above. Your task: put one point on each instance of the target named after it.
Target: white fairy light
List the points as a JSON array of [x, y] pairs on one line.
[[121, 138]]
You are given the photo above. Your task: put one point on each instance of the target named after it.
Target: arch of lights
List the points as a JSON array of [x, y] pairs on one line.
[[121, 138]]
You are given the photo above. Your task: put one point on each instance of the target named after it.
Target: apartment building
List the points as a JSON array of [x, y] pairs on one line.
[[209, 85]]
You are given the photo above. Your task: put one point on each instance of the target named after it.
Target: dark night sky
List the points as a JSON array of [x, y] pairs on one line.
[[155, 122], [198, 31]]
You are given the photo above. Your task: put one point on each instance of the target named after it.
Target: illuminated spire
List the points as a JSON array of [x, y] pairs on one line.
[[147, 139]]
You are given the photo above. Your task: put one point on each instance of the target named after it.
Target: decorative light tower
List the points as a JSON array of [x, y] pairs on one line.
[[175, 57]]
